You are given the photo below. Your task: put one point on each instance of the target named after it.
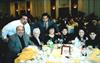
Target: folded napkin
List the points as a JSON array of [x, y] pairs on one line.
[[27, 54], [94, 55]]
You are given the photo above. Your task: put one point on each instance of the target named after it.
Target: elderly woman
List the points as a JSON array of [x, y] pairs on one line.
[[36, 37]]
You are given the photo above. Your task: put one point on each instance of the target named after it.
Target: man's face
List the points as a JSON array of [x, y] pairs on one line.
[[24, 19], [20, 31], [45, 18]]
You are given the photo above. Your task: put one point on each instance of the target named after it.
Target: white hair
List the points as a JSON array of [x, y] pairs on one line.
[[36, 32]]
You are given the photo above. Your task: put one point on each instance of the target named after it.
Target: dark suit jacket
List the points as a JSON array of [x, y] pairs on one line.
[[34, 40], [44, 31], [94, 43], [50, 23], [14, 43]]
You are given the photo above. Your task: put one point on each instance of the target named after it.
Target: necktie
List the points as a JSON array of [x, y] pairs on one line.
[[45, 25]]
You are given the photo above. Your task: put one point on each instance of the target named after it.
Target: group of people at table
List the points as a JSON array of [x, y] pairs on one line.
[[17, 34]]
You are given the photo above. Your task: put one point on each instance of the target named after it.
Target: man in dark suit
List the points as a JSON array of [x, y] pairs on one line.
[[45, 23], [17, 42]]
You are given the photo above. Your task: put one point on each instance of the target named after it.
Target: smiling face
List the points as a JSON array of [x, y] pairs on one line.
[[51, 31], [92, 35], [20, 30], [36, 32], [24, 20], [81, 33]]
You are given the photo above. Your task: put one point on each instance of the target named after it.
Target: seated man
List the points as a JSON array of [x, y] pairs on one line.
[[93, 40], [17, 42]]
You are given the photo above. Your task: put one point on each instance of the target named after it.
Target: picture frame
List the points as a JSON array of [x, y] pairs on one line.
[[65, 50]]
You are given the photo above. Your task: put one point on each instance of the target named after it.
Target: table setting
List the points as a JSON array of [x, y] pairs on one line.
[[66, 53]]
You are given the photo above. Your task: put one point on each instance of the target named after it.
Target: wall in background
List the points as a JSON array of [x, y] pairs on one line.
[[5, 6], [89, 6], [37, 7]]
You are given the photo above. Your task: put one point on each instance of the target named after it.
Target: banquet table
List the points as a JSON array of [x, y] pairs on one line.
[[55, 55]]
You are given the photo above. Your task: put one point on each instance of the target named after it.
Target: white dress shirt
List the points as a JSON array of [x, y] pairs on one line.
[[10, 28]]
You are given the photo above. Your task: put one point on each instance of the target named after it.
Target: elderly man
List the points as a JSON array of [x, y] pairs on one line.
[[17, 42], [10, 28]]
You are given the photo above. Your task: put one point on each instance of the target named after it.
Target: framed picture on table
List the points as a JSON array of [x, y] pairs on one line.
[[65, 50]]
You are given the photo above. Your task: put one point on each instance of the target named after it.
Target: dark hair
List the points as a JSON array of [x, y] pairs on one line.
[[63, 28], [24, 15], [85, 35], [45, 14], [51, 27], [89, 32]]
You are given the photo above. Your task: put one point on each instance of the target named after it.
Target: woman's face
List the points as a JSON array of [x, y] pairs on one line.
[[64, 31], [36, 32], [51, 31], [81, 33]]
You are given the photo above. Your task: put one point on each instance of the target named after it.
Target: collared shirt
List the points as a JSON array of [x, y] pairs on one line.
[[10, 28]]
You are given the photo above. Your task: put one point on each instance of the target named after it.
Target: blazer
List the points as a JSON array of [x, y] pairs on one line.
[[35, 41], [50, 23], [14, 43]]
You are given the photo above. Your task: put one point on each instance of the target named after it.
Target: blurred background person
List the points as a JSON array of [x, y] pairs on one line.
[[98, 27], [72, 26]]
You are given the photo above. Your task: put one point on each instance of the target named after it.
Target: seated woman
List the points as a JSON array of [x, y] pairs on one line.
[[36, 38], [51, 35], [93, 40], [80, 39], [65, 36]]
